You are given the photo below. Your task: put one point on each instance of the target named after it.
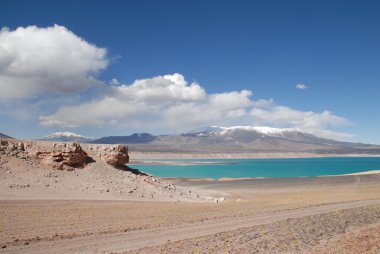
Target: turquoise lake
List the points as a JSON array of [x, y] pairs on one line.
[[270, 168]]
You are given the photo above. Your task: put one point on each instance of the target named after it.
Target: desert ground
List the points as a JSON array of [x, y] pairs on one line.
[[99, 208]]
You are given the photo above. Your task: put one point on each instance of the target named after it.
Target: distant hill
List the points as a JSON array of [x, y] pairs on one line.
[[216, 139], [4, 136], [66, 137], [136, 138]]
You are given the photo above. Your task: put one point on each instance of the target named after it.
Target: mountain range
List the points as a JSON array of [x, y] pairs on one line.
[[251, 139], [238, 139], [215, 139]]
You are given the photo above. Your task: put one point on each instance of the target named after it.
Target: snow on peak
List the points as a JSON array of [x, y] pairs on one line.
[[65, 134], [206, 130], [260, 129]]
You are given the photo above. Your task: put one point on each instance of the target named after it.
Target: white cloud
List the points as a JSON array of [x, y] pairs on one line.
[[231, 100], [216, 109], [114, 82], [308, 121], [160, 89], [302, 86], [163, 101], [172, 104], [35, 61]]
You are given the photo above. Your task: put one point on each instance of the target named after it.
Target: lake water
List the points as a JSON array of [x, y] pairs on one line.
[[270, 168]]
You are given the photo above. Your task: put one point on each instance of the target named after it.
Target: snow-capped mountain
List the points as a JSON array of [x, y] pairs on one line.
[[247, 134], [67, 137], [235, 139]]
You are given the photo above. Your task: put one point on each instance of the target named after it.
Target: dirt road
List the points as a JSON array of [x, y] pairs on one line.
[[121, 242]]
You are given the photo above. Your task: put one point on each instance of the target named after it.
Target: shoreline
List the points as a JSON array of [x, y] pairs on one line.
[[370, 172], [232, 179], [140, 156], [170, 160]]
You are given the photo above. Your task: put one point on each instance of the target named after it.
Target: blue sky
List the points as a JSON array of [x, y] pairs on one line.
[[219, 48]]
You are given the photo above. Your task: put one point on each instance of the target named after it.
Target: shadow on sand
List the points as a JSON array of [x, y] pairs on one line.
[[133, 170]]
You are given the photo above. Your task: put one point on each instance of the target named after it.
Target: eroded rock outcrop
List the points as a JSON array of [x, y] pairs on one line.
[[29, 164], [115, 155], [11, 147], [57, 155], [65, 155], [61, 156]]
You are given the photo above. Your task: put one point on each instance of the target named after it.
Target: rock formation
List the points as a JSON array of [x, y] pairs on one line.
[[30, 164], [57, 155], [11, 147], [65, 155], [115, 155], [61, 156]]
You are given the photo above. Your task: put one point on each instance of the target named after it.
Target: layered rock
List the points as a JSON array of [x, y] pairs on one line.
[[115, 155], [65, 155], [61, 156]]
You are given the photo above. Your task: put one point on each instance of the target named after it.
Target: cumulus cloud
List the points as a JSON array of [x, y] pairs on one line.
[[302, 86], [35, 61], [268, 112], [171, 103], [160, 89], [138, 103]]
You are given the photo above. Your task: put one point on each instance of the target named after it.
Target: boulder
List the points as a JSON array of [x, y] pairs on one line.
[[115, 155]]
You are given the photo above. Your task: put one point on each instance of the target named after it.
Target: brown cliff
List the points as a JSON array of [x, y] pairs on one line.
[[66, 156]]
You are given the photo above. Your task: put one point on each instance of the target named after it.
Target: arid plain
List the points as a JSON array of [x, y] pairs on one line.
[[100, 208]]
